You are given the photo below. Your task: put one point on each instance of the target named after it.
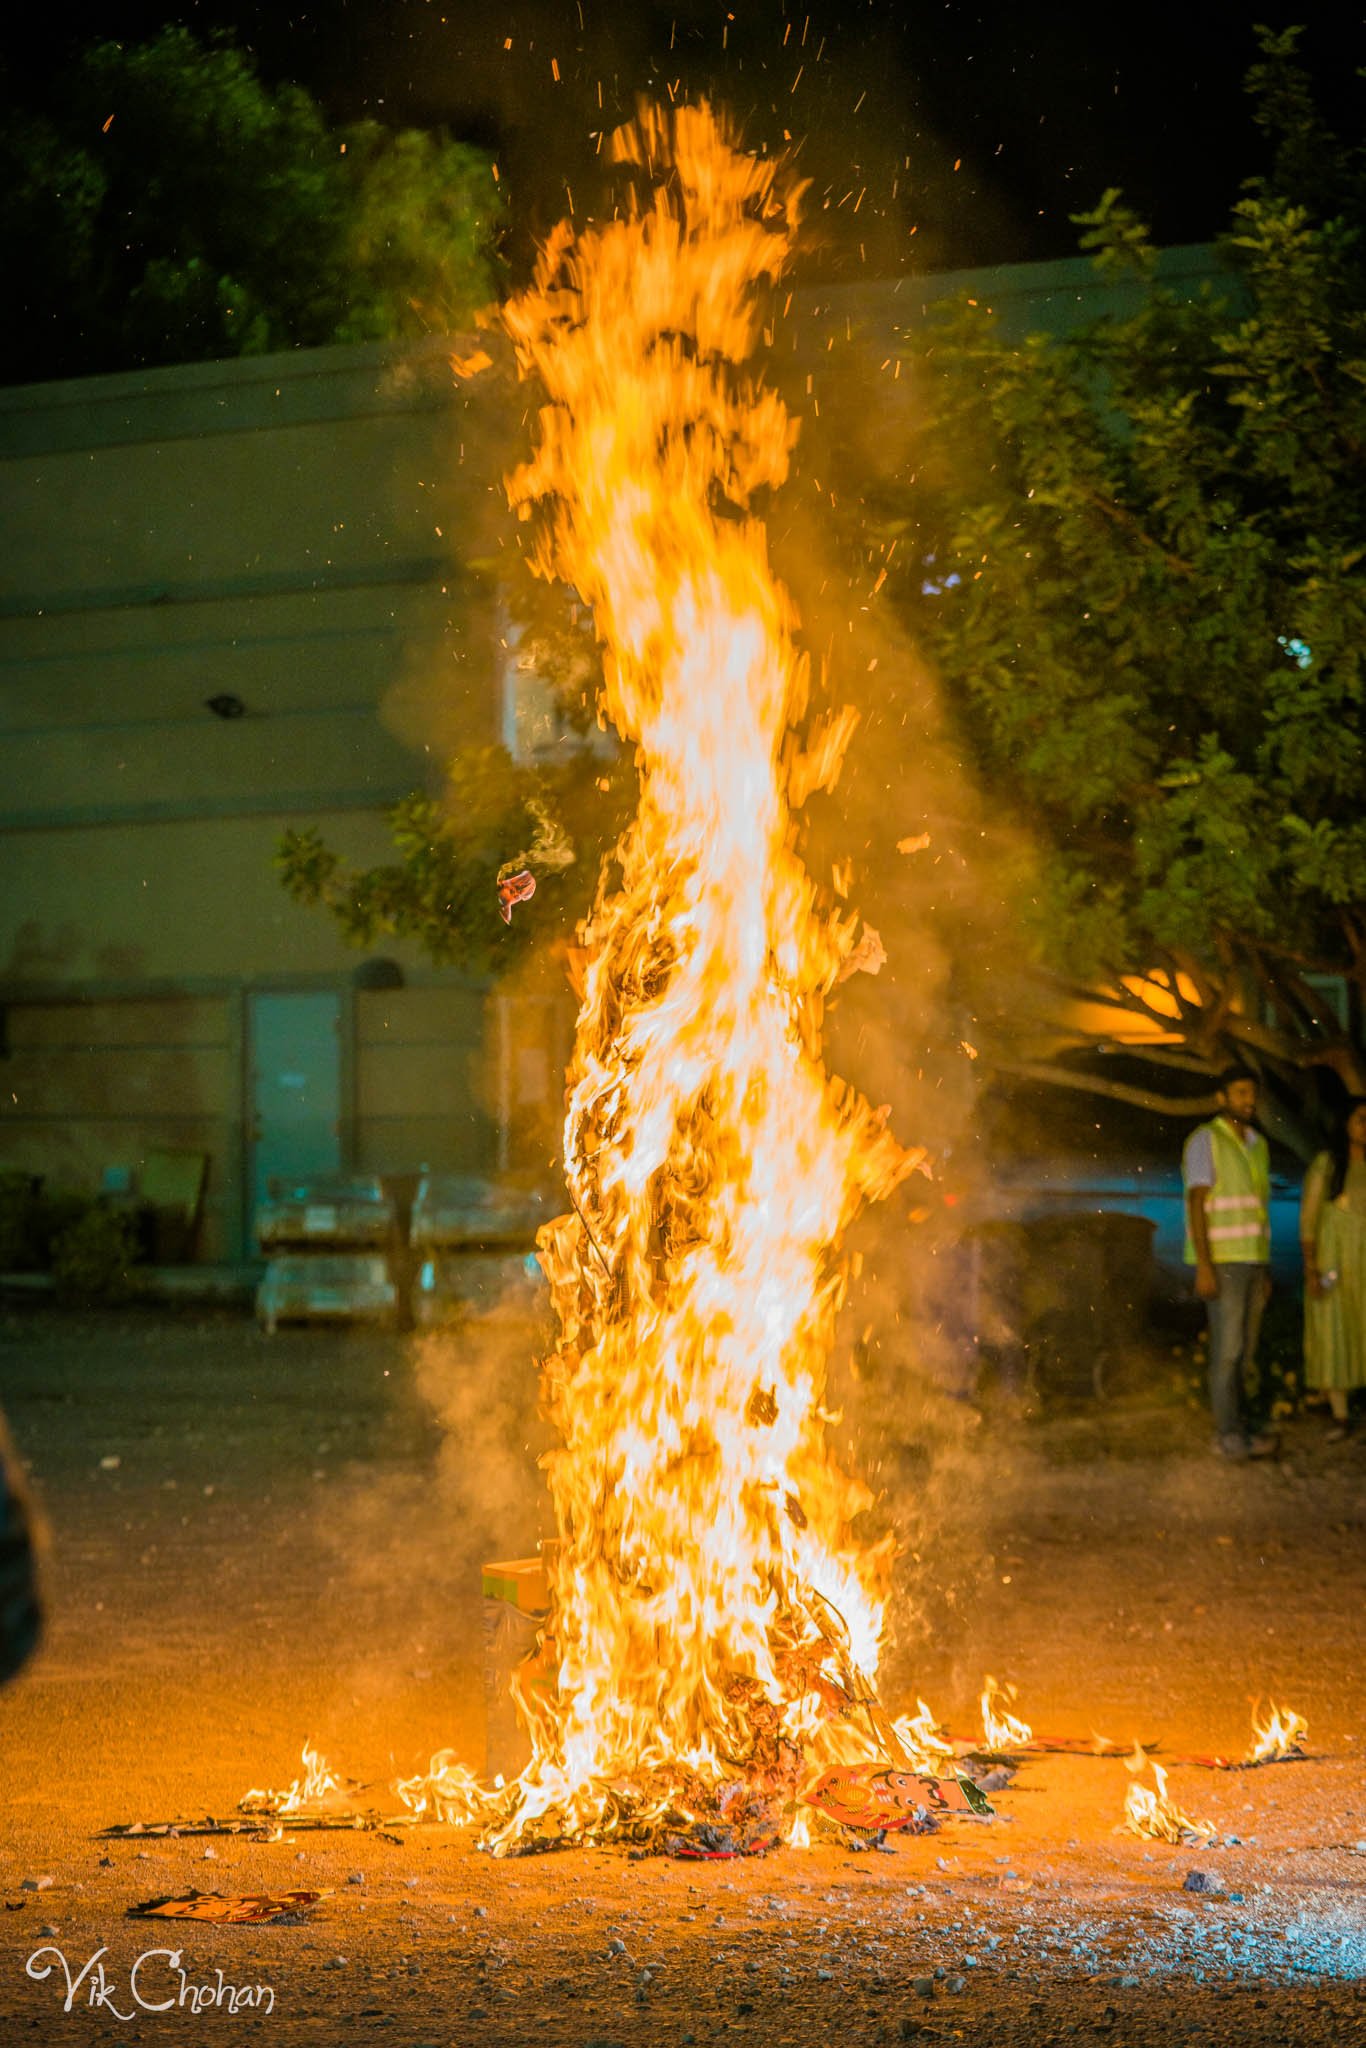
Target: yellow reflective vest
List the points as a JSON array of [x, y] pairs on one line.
[[1237, 1212]]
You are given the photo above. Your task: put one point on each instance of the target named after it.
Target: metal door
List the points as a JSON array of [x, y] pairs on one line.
[[294, 1060]]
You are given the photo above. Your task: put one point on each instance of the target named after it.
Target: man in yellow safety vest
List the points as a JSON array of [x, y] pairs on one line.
[[1226, 1170]]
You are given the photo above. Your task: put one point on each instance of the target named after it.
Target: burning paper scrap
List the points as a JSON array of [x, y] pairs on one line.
[[248, 1908], [446, 1791], [864, 1797], [1155, 1816], [469, 366], [744, 1821], [869, 956], [551, 850], [818, 764], [1279, 1737], [1089, 1745], [317, 1787], [512, 889], [916, 843]]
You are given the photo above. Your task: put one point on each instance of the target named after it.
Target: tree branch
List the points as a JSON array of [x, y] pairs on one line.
[[1339, 1055], [1206, 990], [1169, 1056], [1123, 518], [1116, 1091]]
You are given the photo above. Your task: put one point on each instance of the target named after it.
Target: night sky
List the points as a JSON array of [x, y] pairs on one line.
[[935, 135]]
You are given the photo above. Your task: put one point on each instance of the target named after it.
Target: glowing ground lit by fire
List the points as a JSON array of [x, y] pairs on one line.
[[706, 1682]]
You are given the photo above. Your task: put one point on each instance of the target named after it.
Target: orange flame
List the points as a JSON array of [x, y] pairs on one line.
[[1003, 1730], [305, 1794], [446, 1791], [1277, 1737], [1156, 1817], [922, 1739], [714, 1617]]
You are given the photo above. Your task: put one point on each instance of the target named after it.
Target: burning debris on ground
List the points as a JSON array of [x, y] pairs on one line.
[[1154, 1813]]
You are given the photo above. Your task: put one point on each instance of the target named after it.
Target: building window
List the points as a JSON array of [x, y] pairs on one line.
[[536, 727]]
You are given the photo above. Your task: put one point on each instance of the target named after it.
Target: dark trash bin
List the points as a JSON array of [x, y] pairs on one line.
[[1067, 1296]]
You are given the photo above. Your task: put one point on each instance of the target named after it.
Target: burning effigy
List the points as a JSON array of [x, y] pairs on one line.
[[715, 1623]]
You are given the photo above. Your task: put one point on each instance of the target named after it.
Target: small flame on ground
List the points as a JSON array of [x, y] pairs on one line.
[[1003, 1730], [923, 1740], [1156, 1817], [1279, 1736], [305, 1793], [446, 1791]]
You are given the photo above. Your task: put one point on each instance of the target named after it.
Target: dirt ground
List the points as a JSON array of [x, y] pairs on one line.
[[254, 1541]]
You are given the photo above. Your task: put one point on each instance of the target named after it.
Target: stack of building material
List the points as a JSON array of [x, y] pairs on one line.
[[331, 1252], [474, 1251]]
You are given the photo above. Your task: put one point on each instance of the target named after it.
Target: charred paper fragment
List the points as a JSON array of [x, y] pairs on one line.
[[243, 1909]]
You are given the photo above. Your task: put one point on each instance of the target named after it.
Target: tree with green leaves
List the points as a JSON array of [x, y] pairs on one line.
[[1140, 567], [171, 207], [441, 888]]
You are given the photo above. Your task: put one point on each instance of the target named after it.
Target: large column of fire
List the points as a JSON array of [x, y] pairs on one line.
[[710, 1604]]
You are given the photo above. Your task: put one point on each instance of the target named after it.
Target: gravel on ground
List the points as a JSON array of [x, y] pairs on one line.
[[253, 1541]]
